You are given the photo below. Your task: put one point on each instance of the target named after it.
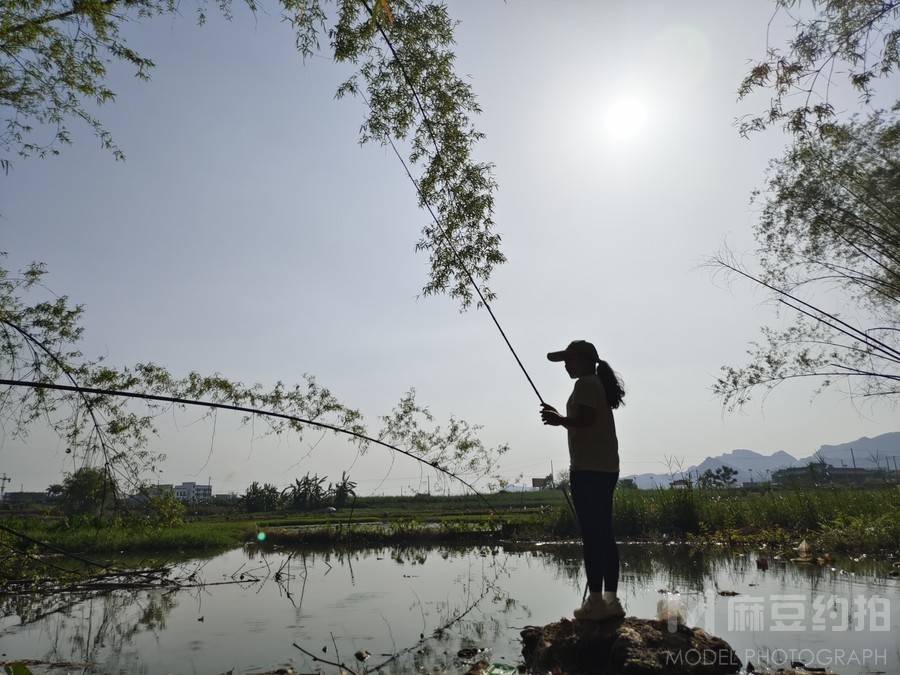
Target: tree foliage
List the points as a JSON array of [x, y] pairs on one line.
[[456, 448], [87, 491], [54, 56], [831, 211], [309, 492], [830, 232], [159, 510], [258, 498], [856, 38], [343, 490], [722, 477]]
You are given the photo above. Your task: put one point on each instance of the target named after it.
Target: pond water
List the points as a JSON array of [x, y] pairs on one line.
[[844, 615]]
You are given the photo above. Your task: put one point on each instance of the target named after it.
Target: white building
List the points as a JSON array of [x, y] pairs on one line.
[[191, 492]]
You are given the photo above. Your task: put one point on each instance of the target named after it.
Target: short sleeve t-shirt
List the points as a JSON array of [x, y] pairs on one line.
[[595, 447]]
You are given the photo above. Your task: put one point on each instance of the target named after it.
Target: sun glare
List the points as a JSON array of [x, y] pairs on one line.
[[626, 118]]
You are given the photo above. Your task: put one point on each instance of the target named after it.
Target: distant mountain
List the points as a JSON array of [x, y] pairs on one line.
[[868, 453], [750, 465]]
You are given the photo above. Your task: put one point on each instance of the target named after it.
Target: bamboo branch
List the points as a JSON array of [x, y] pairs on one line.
[[244, 409]]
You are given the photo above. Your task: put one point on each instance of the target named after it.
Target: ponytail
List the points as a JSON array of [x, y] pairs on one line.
[[612, 383]]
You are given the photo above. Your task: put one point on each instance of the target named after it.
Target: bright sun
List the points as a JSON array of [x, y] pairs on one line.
[[626, 118]]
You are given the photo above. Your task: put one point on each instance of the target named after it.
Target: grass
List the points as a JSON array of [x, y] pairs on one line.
[[402, 532], [836, 519], [840, 520], [88, 539], [183, 537]]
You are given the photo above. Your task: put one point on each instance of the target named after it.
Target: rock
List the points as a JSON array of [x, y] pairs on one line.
[[629, 646]]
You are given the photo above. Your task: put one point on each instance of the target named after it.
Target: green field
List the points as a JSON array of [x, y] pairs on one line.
[[840, 520]]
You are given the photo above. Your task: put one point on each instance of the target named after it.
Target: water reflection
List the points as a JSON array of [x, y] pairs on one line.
[[416, 607]]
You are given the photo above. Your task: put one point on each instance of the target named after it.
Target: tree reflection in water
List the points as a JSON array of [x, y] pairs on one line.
[[96, 628], [284, 596]]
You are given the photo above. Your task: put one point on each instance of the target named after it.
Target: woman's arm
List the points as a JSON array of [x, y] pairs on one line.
[[585, 417]]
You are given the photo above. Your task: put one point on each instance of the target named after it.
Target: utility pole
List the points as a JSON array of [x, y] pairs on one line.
[[4, 479], [853, 457], [429, 485]]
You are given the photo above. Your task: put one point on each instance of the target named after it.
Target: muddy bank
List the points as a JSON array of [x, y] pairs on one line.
[[630, 646]]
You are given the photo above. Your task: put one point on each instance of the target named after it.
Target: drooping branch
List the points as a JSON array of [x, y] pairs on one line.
[[852, 331], [242, 409], [320, 659], [830, 222], [38, 347], [98, 429], [836, 33]]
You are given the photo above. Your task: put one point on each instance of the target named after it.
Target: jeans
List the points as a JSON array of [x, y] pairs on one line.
[[592, 494]]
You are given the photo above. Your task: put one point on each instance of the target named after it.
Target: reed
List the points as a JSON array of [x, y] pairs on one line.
[[839, 519]]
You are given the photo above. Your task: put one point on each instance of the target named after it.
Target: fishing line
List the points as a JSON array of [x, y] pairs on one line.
[[427, 205]]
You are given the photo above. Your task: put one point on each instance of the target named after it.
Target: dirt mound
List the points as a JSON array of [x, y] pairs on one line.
[[627, 646]]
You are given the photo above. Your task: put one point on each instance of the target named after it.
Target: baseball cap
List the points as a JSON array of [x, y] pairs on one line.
[[582, 347]]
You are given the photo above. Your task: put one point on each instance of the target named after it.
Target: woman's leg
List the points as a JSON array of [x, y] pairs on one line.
[[609, 555], [585, 495]]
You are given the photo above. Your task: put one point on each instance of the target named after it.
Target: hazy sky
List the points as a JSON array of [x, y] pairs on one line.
[[248, 233]]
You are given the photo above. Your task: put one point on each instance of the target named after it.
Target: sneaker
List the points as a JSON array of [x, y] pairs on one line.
[[600, 610], [591, 604], [612, 610]]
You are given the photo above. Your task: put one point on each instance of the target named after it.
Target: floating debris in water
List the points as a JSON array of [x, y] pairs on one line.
[[670, 609], [804, 553], [261, 536], [470, 652]]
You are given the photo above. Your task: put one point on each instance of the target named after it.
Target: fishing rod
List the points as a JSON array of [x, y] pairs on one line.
[[424, 201], [177, 400], [437, 150]]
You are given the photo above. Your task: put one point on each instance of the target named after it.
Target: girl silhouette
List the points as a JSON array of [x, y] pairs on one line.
[[594, 469]]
